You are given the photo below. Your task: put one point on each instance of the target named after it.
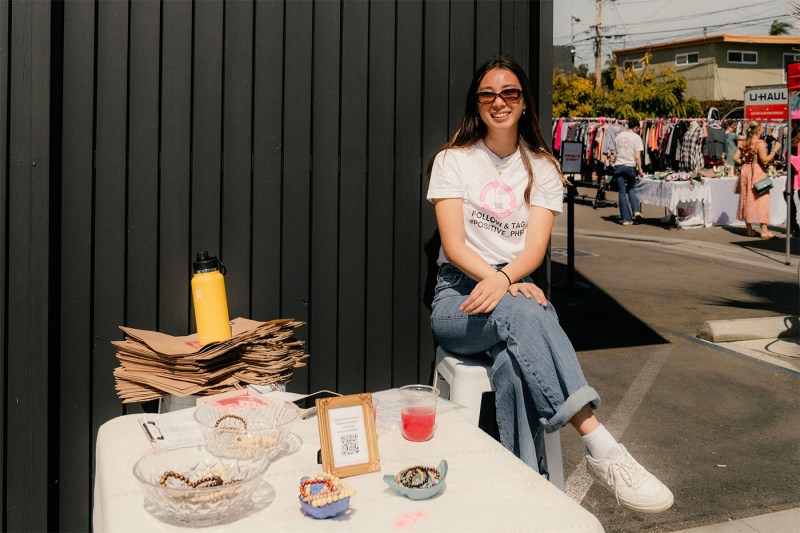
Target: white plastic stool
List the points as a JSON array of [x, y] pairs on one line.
[[463, 380]]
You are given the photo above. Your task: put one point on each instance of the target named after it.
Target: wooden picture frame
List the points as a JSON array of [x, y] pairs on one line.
[[347, 435]]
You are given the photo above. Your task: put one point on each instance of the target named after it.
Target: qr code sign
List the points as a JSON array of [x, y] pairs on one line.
[[350, 444]]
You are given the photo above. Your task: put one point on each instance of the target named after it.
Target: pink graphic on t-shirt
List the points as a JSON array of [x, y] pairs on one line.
[[498, 199]]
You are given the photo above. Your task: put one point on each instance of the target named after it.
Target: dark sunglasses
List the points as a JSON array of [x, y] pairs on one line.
[[508, 96]]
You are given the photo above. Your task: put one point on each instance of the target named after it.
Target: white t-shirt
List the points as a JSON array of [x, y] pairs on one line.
[[493, 192], [628, 143]]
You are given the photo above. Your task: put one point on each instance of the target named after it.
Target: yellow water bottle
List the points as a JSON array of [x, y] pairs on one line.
[[210, 302]]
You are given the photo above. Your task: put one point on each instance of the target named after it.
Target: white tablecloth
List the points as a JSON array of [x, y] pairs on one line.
[[488, 488], [723, 202], [712, 199], [670, 193]]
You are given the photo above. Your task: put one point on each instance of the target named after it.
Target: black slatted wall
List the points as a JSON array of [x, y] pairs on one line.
[[288, 137]]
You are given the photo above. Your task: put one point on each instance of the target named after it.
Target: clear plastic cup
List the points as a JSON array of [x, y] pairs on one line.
[[418, 413]]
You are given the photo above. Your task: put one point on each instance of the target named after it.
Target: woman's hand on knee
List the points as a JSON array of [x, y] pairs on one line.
[[485, 296], [529, 290]]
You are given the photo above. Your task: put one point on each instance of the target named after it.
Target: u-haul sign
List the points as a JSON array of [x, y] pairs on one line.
[[766, 102]]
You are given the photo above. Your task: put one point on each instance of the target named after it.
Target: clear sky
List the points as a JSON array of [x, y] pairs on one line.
[[629, 23]]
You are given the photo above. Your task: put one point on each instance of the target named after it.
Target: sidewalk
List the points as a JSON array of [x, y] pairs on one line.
[[780, 522]]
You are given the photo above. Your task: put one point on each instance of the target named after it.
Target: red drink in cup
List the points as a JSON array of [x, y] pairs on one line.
[[419, 412], [418, 423]]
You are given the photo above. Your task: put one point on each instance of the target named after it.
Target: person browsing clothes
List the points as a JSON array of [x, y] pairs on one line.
[[628, 166], [496, 189], [753, 157]]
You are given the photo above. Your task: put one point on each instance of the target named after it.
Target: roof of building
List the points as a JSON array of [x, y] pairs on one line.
[[725, 38]]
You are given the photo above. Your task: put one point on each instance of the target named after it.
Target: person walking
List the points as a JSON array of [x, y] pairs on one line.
[[628, 166], [496, 189], [753, 157]]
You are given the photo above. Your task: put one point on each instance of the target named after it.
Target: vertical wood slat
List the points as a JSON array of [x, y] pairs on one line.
[[540, 72], [207, 130], [174, 182], [296, 216], [141, 303], [108, 270], [521, 20], [325, 198], [435, 132], [5, 89], [352, 200], [75, 460], [410, 186], [462, 52], [236, 203], [379, 196], [27, 292], [507, 26], [487, 30], [267, 157]]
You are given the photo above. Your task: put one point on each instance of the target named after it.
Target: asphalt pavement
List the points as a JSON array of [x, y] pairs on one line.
[[721, 428]]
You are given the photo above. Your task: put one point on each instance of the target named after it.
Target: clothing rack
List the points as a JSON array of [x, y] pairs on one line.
[[663, 138]]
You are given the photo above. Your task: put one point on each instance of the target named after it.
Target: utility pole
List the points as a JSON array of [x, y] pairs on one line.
[[598, 29], [572, 20]]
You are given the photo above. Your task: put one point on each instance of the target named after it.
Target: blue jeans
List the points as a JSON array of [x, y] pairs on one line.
[[626, 180], [538, 381]]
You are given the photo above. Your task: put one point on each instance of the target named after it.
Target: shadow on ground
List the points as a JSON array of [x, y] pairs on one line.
[[592, 319], [653, 222], [766, 296]]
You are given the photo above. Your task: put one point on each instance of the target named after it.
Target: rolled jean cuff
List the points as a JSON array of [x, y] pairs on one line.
[[570, 408]]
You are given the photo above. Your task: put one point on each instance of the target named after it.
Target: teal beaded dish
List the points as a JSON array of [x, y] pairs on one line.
[[418, 482]]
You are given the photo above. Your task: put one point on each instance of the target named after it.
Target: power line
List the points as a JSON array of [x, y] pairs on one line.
[[678, 30], [691, 16]]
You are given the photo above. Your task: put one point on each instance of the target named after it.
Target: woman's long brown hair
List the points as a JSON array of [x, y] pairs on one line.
[[472, 128]]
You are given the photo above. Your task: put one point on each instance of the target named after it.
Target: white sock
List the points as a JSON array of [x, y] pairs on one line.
[[600, 443]]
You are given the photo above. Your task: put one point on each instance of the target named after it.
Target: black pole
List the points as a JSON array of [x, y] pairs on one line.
[[571, 234]]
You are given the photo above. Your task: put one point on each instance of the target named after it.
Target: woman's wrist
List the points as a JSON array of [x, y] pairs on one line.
[[501, 271]]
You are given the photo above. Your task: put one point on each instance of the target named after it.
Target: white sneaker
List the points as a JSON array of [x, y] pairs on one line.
[[633, 486]]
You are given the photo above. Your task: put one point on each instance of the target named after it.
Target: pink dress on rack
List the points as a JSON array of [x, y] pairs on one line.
[[752, 207]]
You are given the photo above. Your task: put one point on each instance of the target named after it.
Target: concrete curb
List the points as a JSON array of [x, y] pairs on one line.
[[743, 329]]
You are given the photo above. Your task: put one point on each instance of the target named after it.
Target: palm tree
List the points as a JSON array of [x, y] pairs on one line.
[[779, 28]]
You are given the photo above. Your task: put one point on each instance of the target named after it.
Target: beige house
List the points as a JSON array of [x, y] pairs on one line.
[[719, 67]]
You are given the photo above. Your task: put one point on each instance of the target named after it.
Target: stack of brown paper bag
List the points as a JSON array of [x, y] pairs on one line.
[[155, 364]]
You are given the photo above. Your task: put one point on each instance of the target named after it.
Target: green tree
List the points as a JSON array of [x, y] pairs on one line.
[[573, 95], [640, 94], [779, 28]]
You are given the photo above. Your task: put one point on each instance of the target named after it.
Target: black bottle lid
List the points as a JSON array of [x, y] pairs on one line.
[[205, 263]]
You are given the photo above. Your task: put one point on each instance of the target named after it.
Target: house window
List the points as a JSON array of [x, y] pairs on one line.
[[739, 56], [788, 58], [687, 59], [635, 65]]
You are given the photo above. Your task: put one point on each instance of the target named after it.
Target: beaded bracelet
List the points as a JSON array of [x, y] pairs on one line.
[[418, 477], [333, 490], [235, 417], [204, 482]]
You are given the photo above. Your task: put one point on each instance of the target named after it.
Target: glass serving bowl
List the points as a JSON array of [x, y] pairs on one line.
[[240, 433], [193, 487]]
